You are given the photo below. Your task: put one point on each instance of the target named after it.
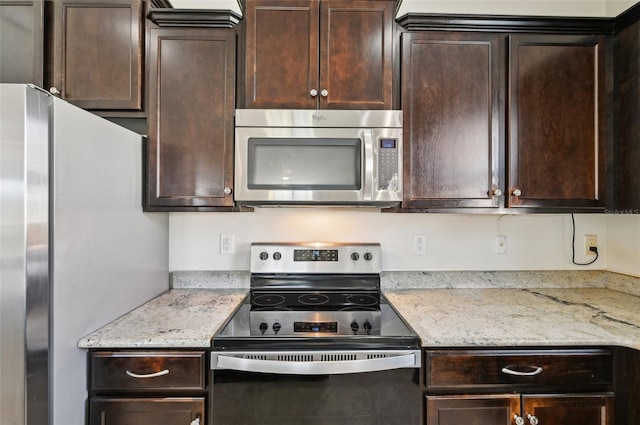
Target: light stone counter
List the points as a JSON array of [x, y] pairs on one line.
[[520, 317], [178, 318], [447, 317]]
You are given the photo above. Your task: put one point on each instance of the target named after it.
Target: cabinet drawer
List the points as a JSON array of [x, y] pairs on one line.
[[140, 370], [518, 369]]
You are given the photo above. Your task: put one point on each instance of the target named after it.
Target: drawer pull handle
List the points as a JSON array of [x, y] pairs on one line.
[[534, 372], [150, 375]]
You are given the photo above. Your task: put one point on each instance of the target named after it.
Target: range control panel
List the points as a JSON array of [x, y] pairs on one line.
[[316, 257]]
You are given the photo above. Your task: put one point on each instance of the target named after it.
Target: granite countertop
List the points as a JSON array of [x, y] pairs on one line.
[[520, 317], [179, 318], [441, 317]]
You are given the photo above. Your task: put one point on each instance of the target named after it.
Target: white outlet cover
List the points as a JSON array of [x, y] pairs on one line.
[[501, 244]]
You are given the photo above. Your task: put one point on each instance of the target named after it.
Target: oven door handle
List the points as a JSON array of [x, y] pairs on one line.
[[238, 361]]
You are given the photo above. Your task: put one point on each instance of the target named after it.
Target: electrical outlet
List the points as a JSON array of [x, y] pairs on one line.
[[420, 244], [501, 244], [590, 241], [226, 244]]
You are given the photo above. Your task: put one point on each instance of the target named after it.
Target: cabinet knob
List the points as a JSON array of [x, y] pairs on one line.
[[324, 93], [516, 192], [532, 420], [497, 192], [196, 421], [227, 191], [54, 91], [313, 92], [518, 420]]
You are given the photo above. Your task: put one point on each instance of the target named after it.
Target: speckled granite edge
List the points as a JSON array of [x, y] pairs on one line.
[[207, 279], [520, 317], [177, 318], [392, 281], [624, 283]]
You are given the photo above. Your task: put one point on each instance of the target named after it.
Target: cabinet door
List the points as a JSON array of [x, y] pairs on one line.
[[356, 54], [97, 53], [627, 110], [191, 106], [21, 38], [496, 409], [592, 409], [557, 122], [127, 411], [453, 92], [281, 53]]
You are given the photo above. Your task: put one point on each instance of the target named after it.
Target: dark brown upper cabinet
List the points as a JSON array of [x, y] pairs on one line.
[[330, 54], [21, 41], [627, 110], [191, 106], [453, 101], [558, 120], [96, 53]]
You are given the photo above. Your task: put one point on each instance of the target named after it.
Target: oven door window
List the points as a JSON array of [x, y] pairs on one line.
[[304, 164]]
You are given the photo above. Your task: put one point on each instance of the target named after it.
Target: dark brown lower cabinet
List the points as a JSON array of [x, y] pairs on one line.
[[497, 409], [569, 409], [165, 411], [519, 387], [506, 409], [142, 387]]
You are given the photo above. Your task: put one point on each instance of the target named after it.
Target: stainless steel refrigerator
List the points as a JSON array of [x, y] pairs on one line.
[[76, 249]]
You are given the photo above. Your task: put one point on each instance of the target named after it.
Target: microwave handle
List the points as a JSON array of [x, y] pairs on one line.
[[368, 164]]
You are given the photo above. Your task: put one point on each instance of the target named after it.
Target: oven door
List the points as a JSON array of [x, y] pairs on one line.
[[316, 388]]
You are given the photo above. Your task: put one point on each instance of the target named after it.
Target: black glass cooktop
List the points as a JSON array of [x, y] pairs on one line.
[[390, 332]]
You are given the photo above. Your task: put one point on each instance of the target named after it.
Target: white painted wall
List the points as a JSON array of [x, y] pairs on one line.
[[507, 7], [454, 241], [594, 8], [623, 244]]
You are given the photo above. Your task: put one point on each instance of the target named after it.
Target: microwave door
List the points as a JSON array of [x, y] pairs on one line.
[[303, 165]]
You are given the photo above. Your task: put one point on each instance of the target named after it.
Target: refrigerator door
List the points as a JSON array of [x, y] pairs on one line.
[[77, 249], [24, 244], [108, 256]]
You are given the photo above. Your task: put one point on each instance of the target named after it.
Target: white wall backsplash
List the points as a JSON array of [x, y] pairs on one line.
[[454, 241], [623, 243]]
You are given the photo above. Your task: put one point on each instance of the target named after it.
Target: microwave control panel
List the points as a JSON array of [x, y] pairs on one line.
[[388, 164]]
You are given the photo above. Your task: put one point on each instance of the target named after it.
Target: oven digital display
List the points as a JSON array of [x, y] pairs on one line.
[[315, 255], [316, 327]]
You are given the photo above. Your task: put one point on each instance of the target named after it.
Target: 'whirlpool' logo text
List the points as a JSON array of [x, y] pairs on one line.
[[318, 117]]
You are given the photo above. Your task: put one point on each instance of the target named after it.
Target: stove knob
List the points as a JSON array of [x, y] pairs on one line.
[[263, 327], [355, 256], [367, 327], [264, 255], [368, 256], [355, 327], [276, 327], [277, 256]]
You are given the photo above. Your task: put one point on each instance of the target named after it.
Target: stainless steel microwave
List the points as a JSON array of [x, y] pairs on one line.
[[318, 157]]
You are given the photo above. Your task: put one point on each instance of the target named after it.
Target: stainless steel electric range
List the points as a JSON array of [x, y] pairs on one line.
[[315, 342]]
